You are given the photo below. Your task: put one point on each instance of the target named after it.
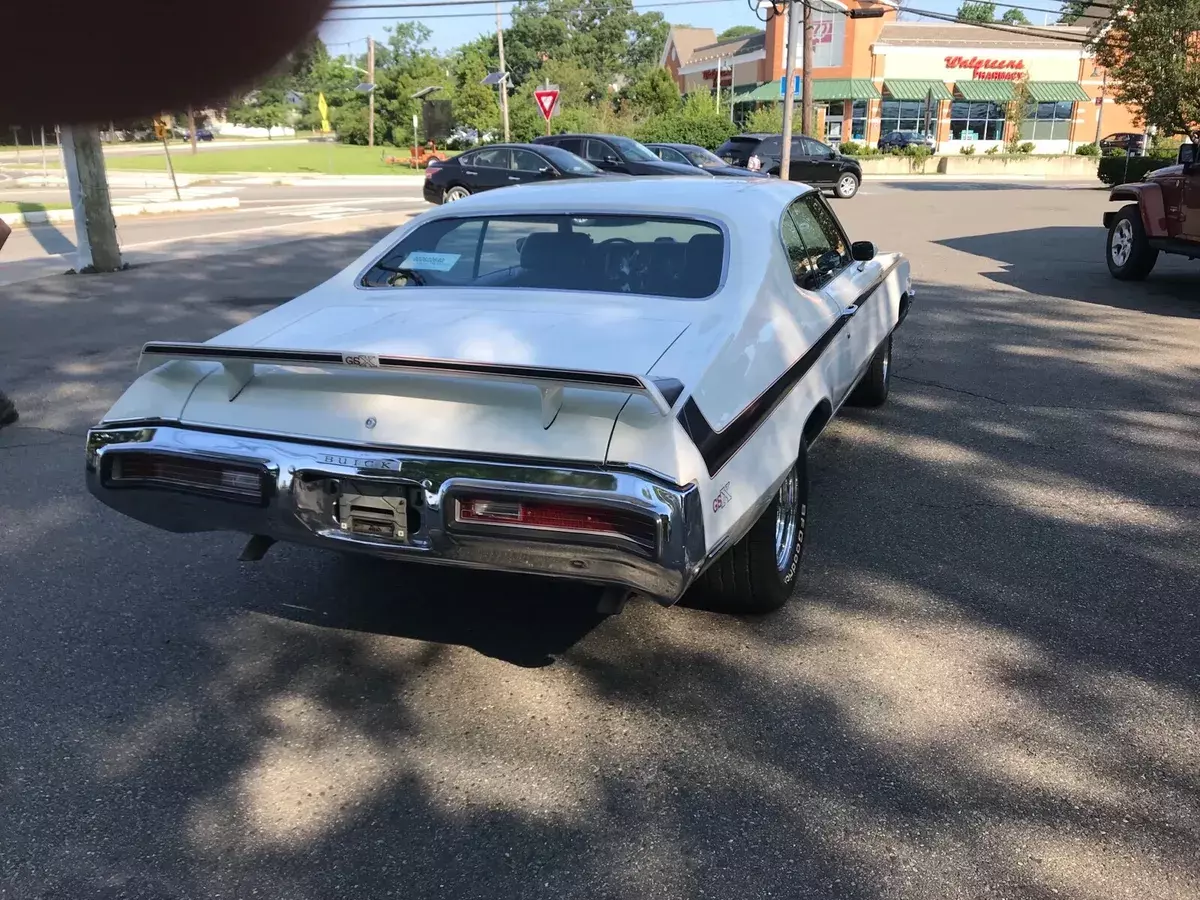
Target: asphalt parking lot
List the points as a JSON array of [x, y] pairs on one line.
[[986, 685]]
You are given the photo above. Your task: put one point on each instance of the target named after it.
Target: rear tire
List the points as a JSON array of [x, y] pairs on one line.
[[873, 389], [458, 192], [1128, 252], [846, 187], [758, 574]]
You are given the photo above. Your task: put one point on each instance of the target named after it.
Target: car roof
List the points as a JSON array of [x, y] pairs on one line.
[[677, 146], [744, 201]]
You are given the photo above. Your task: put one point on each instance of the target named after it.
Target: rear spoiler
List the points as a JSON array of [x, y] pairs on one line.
[[239, 364]]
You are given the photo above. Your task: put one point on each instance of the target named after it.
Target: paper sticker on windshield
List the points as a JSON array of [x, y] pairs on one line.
[[422, 261]]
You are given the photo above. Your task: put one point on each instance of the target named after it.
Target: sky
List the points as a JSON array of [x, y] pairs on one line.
[[451, 32]]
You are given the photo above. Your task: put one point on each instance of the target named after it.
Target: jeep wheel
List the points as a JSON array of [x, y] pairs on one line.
[[1130, 256]]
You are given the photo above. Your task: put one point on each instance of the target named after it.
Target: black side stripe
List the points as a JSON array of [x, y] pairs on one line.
[[718, 447]]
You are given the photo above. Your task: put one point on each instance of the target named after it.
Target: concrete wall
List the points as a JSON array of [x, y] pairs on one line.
[[958, 166]]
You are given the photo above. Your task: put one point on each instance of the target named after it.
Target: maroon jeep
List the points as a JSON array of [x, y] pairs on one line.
[[1163, 217]]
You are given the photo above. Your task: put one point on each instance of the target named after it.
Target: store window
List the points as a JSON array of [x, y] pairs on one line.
[[858, 121], [1048, 122], [983, 120], [903, 115]]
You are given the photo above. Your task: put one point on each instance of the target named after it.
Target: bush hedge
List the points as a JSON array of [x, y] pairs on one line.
[[1087, 150], [1112, 169]]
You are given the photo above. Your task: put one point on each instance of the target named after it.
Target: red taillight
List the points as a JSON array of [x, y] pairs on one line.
[[202, 476], [558, 517]]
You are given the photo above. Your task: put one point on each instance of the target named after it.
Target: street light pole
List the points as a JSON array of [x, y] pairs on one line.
[[1100, 111], [806, 111]]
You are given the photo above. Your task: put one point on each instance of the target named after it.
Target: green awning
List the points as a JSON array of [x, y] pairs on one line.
[[985, 89], [1056, 92], [824, 90], [915, 89]]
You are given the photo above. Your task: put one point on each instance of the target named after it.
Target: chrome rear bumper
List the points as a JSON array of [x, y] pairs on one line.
[[303, 493]]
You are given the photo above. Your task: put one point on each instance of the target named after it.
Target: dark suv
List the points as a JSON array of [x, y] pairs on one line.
[[618, 154], [1127, 142], [812, 162]]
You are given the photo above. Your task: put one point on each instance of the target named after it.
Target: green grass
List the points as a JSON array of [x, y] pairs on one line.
[[316, 158], [19, 207]]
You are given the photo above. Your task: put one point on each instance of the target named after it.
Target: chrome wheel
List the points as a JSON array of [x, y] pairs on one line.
[[1122, 242], [786, 516], [847, 186], [456, 193]]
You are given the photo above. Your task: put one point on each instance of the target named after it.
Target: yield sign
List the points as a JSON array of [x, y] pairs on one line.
[[546, 101]]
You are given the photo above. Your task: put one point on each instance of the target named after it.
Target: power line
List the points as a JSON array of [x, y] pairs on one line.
[[1027, 31]]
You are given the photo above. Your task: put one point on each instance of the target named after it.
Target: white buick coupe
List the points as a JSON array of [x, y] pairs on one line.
[[610, 381]]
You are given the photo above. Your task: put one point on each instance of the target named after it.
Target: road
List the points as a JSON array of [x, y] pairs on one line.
[[985, 686], [267, 215]]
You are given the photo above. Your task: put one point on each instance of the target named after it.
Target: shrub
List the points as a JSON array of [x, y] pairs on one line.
[[992, 150], [697, 122], [851, 148], [1087, 150], [1113, 170], [1026, 147], [769, 120], [1166, 149], [968, 150]]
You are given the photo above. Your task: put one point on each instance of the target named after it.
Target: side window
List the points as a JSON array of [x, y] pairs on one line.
[[598, 152], [797, 253], [524, 161], [816, 149], [671, 155], [496, 158], [800, 148], [768, 147], [571, 145], [826, 251]]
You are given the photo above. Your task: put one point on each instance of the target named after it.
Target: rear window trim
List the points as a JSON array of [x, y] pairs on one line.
[[719, 224]]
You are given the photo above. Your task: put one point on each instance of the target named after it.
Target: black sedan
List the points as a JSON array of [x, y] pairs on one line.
[[617, 154], [501, 165], [693, 155], [898, 140]]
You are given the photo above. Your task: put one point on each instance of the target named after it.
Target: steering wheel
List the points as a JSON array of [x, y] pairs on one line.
[[617, 267]]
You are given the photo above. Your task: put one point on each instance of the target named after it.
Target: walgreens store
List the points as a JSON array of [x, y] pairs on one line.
[[872, 76]]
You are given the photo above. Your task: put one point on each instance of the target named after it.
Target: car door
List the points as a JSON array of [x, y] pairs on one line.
[[671, 155], [604, 156], [810, 301], [486, 169], [823, 161], [844, 283], [1190, 213], [528, 167]]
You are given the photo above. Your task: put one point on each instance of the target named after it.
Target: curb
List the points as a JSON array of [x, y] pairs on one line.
[[51, 216]]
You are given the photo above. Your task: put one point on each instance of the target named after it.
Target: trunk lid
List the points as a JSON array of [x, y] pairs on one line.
[[441, 414]]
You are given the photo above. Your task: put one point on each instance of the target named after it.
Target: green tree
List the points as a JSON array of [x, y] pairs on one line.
[[1153, 57], [655, 93], [737, 31], [696, 122], [977, 11], [475, 105], [1014, 17]]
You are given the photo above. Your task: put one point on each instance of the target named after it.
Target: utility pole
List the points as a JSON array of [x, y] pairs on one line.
[[192, 129], [95, 227], [1100, 107], [789, 91], [719, 86], [503, 72], [371, 96], [806, 110]]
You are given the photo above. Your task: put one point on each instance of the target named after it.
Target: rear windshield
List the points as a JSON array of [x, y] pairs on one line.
[[660, 256]]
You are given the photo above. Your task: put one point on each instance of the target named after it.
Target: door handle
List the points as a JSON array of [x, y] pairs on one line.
[[469, 172], [849, 311], [513, 178]]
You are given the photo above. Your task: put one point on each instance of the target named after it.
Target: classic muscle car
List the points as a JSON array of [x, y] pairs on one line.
[[612, 382]]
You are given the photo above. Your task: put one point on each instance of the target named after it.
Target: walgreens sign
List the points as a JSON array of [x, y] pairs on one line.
[[984, 69]]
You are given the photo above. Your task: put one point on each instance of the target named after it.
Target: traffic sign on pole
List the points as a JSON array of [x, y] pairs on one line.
[[547, 101]]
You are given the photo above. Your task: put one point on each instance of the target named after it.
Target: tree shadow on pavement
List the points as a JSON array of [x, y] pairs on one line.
[[986, 685], [1069, 262]]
